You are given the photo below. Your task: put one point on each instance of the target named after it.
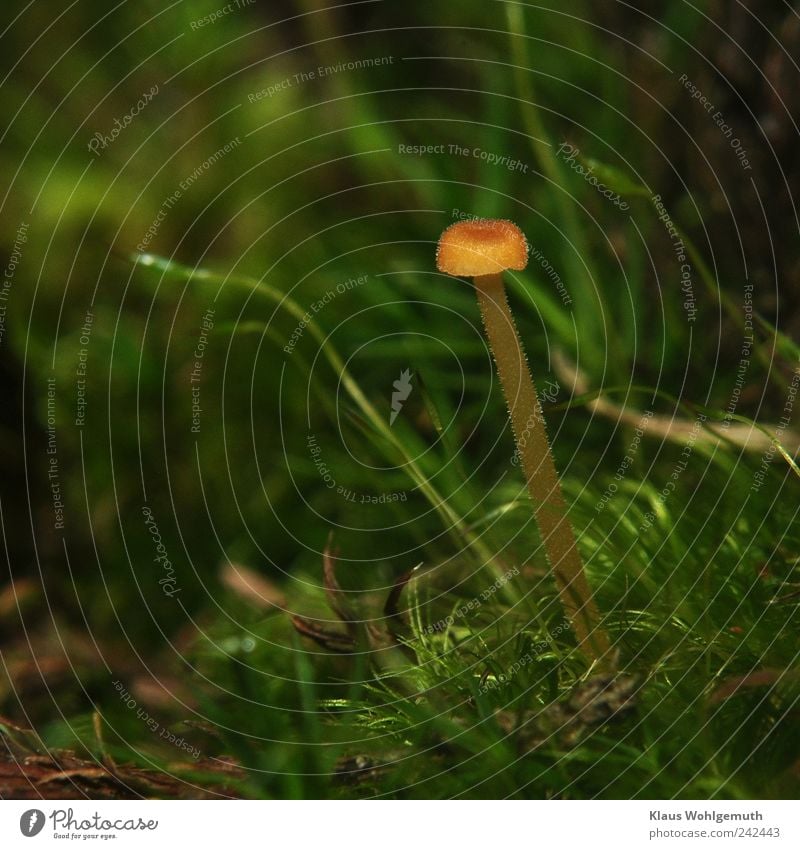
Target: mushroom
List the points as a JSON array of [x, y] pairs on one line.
[[483, 249]]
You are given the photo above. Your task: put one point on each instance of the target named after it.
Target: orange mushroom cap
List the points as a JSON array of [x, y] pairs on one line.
[[482, 246]]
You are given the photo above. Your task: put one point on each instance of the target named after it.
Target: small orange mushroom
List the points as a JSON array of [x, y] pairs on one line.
[[483, 246], [483, 249]]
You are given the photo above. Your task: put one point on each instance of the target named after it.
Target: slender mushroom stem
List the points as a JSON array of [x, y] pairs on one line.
[[530, 434]]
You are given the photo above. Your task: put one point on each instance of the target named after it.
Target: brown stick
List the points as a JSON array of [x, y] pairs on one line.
[[550, 509]]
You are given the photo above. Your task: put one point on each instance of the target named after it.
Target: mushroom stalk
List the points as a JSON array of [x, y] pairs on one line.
[[527, 422]]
